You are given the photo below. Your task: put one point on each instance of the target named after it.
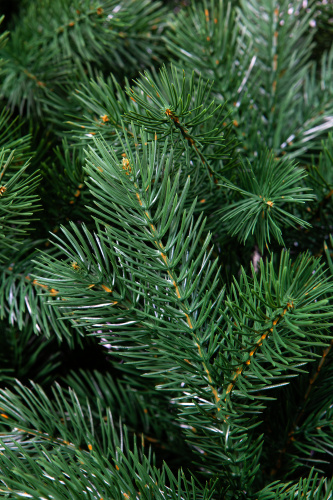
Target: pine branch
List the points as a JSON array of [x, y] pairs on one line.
[[206, 38], [288, 89], [265, 189], [62, 38], [84, 453], [17, 201], [23, 298], [174, 106], [310, 487], [137, 274], [271, 321], [217, 366]]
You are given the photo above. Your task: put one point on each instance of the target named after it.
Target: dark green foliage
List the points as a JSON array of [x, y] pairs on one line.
[[166, 250]]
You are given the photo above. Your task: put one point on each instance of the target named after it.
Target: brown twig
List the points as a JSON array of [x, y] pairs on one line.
[[190, 140]]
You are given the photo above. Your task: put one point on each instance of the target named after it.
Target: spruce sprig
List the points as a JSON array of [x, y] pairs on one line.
[[266, 189]]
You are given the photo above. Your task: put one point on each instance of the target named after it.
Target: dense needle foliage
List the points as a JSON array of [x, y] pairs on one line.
[[166, 185]]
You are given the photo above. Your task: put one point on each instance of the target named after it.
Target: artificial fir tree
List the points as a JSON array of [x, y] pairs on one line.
[[171, 337]]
